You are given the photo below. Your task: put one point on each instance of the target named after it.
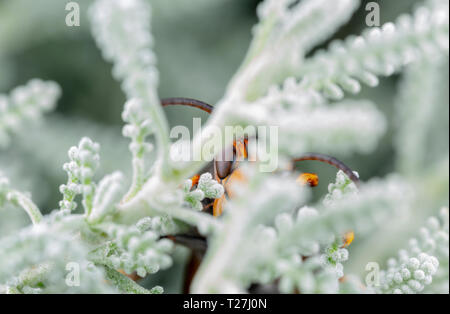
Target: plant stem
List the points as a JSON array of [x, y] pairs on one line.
[[160, 127]]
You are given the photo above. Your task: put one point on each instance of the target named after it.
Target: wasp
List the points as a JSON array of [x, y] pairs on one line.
[[227, 173]]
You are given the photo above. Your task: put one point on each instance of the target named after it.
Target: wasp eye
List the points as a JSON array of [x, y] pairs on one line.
[[310, 179]]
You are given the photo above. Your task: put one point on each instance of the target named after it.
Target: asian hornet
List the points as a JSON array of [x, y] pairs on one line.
[[227, 173]]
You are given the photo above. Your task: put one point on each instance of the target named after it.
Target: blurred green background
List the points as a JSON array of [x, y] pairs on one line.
[[199, 45]]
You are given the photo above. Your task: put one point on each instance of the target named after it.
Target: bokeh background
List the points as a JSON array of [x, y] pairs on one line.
[[199, 45]]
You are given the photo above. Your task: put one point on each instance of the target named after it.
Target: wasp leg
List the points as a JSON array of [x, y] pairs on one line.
[[331, 161], [348, 236]]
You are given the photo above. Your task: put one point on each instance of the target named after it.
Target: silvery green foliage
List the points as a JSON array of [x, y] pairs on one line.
[[342, 187], [409, 274], [319, 272], [4, 188], [307, 276], [135, 249], [286, 32], [378, 51], [206, 188], [433, 239], [264, 253], [164, 225], [137, 129], [415, 153], [270, 230], [45, 145], [128, 45], [247, 242], [84, 161], [17, 198], [334, 256], [127, 285], [304, 114], [425, 261], [107, 194], [211, 188], [32, 263], [26, 103]]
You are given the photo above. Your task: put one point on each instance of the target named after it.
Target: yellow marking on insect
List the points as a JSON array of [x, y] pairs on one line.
[[310, 179], [241, 151], [348, 238]]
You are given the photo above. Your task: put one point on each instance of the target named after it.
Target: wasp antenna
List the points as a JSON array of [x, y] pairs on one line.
[[331, 161], [179, 101]]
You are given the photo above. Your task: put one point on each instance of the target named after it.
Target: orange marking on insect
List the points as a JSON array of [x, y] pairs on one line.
[[237, 176], [219, 203], [348, 238], [310, 179], [195, 179]]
